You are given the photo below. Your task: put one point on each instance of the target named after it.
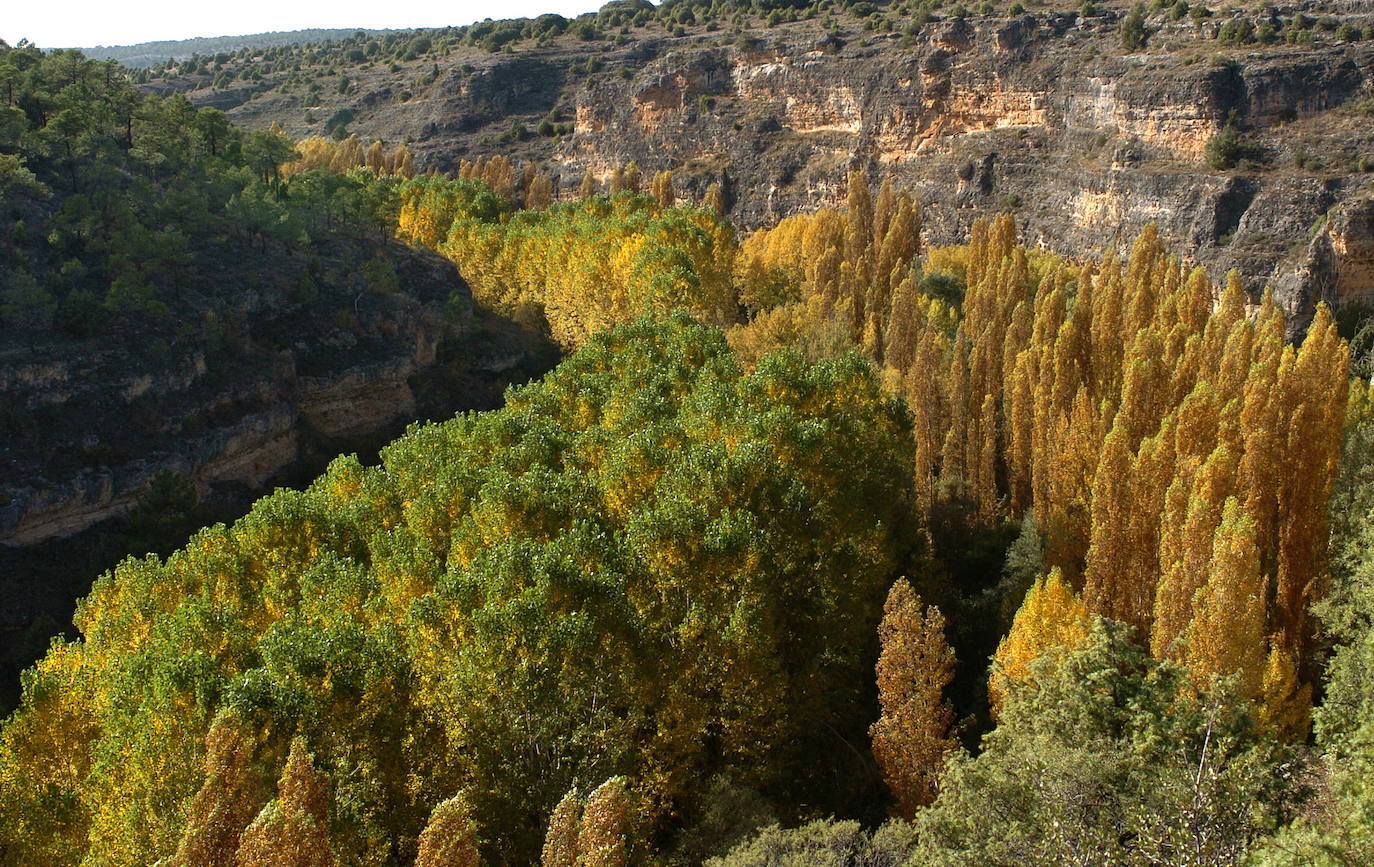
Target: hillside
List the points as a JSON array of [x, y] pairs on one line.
[[170, 307], [1042, 112], [717, 434], [145, 54]]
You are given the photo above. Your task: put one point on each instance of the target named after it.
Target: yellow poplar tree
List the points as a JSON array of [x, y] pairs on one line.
[[450, 838], [560, 840], [911, 737], [661, 188], [605, 820], [714, 199], [1051, 616], [224, 805], [293, 829], [375, 158], [1285, 702], [1226, 635]]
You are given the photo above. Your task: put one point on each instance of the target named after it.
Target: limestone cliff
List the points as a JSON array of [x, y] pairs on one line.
[[290, 390], [1043, 114]]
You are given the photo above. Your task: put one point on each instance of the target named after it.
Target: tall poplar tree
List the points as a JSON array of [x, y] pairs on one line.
[[911, 737]]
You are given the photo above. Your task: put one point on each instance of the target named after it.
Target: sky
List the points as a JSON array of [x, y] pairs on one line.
[[88, 23]]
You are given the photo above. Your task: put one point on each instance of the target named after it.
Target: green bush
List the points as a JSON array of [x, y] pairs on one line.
[[1134, 33], [1224, 149]]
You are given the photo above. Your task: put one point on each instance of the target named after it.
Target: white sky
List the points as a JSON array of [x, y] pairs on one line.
[[88, 23]]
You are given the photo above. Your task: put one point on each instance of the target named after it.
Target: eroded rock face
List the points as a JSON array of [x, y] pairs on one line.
[[1351, 230], [1086, 143], [296, 389]]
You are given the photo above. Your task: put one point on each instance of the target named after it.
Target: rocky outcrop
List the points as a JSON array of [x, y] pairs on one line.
[[106, 418], [1350, 229], [1042, 114]]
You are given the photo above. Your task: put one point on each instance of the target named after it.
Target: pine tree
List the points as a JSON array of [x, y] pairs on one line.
[[911, 737], [450, 838], [293, 829], [601, 836], [560, 840], [1051, 616]]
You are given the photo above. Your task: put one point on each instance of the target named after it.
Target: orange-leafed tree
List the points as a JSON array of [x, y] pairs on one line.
[[224, 805], [560, 839], [911, 738], [293, 829], [450, 837], [601, 835]]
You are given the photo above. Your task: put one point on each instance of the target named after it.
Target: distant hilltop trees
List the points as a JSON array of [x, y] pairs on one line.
[[146, 54]]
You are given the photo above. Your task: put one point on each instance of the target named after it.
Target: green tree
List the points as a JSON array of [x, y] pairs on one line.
[[1133, 31], [1108, 756]]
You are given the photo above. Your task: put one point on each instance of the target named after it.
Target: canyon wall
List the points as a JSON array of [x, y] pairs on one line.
[[1042, 114], [288, 393]]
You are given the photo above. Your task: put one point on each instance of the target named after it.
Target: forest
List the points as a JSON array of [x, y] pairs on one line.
[[819, 546]]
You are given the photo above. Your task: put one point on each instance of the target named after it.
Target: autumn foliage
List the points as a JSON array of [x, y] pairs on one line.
[[912, 736], [649, 565], [1125, 402], [579, 266]]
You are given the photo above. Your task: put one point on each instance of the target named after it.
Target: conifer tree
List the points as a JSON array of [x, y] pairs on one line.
[[911, 737], [450, 838]]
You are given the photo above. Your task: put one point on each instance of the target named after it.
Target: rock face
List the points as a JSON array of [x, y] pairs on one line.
[[289, 393], [1041, 114]]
